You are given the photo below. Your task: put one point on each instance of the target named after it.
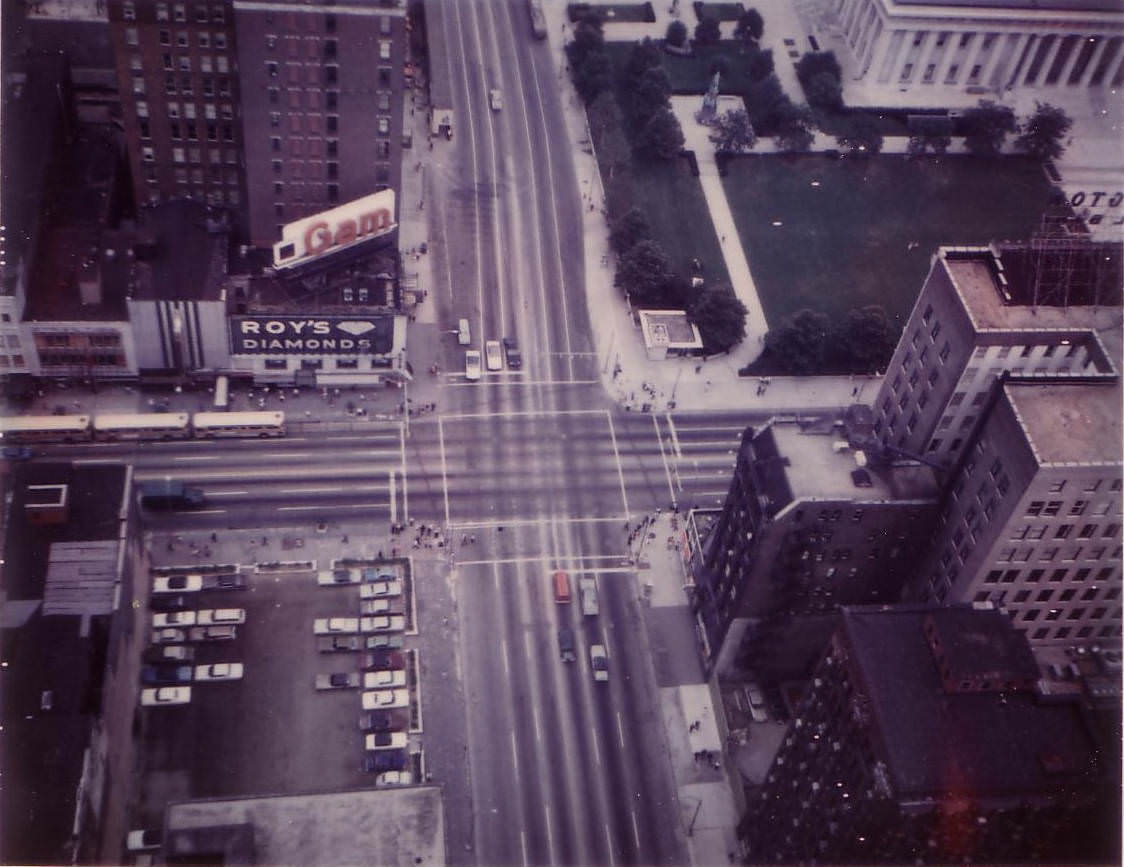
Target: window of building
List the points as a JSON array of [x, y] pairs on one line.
[[333, 123], [132, 36], [333, 192], [1078, 507], [276, 167], [220, 40], [179, 155], [331, 74], [271, 68], [383, 126]]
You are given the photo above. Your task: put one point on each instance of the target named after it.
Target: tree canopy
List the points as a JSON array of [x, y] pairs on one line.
[[800, 343], [592, 75], [861, 134], [720, 317], [676, 35], [707, 32], [750, 25], [987, 126], [660, 137], [643, 272], [1043, 132], [732, 132], [865, 340], [632, 228]]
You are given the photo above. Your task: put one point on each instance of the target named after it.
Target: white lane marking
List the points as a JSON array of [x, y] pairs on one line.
[[538, 725], [506, 661], [609, 843], [663, 454], [321, 507], [620, 730], [674, 436], [196, 457], [635, 830], [405, 478], [209, 512], [617, 454], [89, 462], [523, 842], [535, 522], [227, 493], [283, 454], [549, 828], [444, 471], [514, 754], [596, 748], [513, 413]]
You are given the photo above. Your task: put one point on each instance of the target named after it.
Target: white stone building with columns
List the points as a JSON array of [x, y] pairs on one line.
[[985, 46]]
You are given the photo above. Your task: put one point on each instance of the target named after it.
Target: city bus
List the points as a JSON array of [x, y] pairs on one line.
[[239, 424], [141, 426], [45, 428]]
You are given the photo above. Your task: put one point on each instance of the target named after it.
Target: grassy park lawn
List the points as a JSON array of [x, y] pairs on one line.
[[692, 74], [639, 13], [719, 11], [861, 231]]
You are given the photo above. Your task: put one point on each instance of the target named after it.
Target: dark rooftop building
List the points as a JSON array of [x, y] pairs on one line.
[[923, 739]]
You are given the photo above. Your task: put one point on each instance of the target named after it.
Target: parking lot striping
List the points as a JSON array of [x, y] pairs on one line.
[[617, 456], [620, 730], [444, 471], [635, 829], [663, 454], [674, 436]]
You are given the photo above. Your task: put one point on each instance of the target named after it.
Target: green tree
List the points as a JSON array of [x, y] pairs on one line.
[[823, 90], [929, 132], [750, 26], [660, 137], [651, 92], [588, 38], [676, 34], [861, 134], [865, 340], [1043, 132], [592, 75], [732, 132], [759, 64], [707, 31], [794, 131], [645, 55], [720, 317], [799, 344], [629, 230], [815, 62], [987, 126], [643, 272], [765, 100]]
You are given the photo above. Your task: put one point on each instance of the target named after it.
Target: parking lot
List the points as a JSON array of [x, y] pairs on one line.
[[273, 731]]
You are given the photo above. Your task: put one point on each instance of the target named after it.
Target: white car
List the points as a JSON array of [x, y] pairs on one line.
[[374, 606], [336, 625], [385, 741], [394, 778], [168, 636], [165, 695], [142, 840], [383, 623], [379, 589], [495, 99], [212, 633], [383, 679], [386, 699], [472, 365], [337, 577], [219, 671], [178, 584], [221, 616], [756, 703], [163, 619], [493, 355], [599, 662]]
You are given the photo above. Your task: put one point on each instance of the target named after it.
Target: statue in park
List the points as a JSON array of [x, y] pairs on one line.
[[709, 109]]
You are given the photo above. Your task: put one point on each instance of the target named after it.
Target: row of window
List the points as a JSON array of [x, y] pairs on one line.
[[14, 361], [327, 74], [1055, 552], [203, 13], [64, 340], [1034, 576], [377, 363], [1061, 633], [98, 359], [182, 63], [1101, 612], [208, 41]]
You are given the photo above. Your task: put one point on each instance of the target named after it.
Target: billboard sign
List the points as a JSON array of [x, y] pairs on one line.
[[311, 335], [329, 232]]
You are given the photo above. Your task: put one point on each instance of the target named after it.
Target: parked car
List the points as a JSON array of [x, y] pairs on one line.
[[383, 721], [338, 680], [18, 453], [472, 364], [212, 633], [566, 644], [224, 581], [177, 584], [373, 574], [599, 662], [493, 355], [380, 589], [165, 674], [168, 653], [338, 643], [756, 701], [378, 761], [383, 623], [512, 354], [394, 778], [219, 671], [165, 602], [165, 695], [162, 619], [382, 660], [385, 741], [385, 642], [464, 334], [384, 679], [587, 587], [220, 616], [374, 606], [168, 636], [142, 840], [385, 699], [331, 625], [337, 577]]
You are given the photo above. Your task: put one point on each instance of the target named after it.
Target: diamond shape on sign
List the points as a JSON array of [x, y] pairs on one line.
[[356, 328]]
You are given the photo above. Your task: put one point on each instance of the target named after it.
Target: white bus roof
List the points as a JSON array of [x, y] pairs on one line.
[[236, 419], [44, 422], [127, 421]]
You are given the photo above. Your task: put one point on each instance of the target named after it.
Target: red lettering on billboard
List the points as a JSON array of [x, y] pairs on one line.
[[320, 237]]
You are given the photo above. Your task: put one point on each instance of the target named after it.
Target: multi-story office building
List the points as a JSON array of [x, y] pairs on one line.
[[808, 525], [275, 111], [178, 79], [924, 738], [986, 46]]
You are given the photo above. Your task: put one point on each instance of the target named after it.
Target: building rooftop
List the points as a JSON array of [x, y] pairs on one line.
[[1089, 298], [669, 328], [177, 253], [976, 646], [403, 826], [823, 466], [1070, 423], [947, 6], [992, 745]]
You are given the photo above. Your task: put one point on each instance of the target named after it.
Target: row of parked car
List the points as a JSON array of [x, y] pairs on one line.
[[376, 635], [177, 623]]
